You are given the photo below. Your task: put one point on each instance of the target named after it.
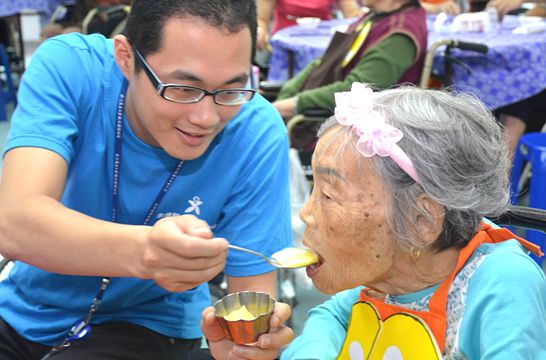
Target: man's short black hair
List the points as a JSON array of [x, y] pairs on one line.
[[148, 17]]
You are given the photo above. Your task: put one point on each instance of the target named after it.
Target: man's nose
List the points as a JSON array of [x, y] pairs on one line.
[[205, 113]]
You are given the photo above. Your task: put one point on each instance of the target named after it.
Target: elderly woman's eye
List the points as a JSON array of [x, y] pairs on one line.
[[326, 196]]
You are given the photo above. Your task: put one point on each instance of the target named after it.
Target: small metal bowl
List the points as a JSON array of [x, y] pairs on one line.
[[245, 332]]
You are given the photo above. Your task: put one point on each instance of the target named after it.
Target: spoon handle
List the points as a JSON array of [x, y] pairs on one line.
[[235, 247]]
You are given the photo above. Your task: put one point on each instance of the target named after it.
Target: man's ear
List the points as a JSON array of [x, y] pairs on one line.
[[430, 226], [123, 52]]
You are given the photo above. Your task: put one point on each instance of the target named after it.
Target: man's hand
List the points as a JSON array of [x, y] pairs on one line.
[[180, 253], [268, 345]]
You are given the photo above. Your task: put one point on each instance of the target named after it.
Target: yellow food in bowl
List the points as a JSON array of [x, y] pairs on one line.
[[241, 313]]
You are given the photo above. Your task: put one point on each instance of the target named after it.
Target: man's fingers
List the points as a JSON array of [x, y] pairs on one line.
[[161, 258], [181, 280]]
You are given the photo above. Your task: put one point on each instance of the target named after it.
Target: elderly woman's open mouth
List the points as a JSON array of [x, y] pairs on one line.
[[312, 269]]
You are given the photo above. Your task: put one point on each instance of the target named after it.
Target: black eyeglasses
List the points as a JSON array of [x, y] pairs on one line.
[[186, 94]]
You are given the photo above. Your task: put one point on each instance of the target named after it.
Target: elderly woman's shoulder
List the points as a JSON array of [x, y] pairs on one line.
[[506, 264]]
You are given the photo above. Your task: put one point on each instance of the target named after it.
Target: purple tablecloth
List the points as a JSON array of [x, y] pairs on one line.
[[513, 69], [47, 7]]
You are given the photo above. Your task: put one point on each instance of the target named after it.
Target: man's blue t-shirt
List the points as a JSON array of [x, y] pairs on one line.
[[67, 104]]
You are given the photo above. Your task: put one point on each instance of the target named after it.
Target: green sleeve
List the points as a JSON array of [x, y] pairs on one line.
[[380, 67], [292, 86]]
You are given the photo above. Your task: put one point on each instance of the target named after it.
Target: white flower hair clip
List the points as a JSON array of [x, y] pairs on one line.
[[355, 108]]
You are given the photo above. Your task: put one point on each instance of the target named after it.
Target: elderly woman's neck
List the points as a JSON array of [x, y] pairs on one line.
[[412, 274]]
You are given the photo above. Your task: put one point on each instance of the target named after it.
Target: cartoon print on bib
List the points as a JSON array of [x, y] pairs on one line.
[[402, 336]]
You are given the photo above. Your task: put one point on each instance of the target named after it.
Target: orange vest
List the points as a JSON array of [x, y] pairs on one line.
[[377, 329]]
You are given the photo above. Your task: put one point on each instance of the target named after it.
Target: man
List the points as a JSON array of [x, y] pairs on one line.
[[129, 166]]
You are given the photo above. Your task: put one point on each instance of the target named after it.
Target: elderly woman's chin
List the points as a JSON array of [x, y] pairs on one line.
[[325, 278]]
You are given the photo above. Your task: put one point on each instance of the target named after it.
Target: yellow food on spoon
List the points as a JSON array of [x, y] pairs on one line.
[[241, 313], [294, 257]]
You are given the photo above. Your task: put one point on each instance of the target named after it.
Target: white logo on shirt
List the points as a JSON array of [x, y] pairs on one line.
[[194, 205], [167, 214]]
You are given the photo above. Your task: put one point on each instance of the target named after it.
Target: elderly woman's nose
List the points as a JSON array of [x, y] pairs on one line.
[[306, 213]]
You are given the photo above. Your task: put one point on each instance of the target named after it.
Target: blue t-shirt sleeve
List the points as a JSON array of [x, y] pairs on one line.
[[257, 213], [325, 329], [505, 315], [49, 98]]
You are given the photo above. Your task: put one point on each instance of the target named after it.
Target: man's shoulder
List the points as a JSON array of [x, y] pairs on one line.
[[81, 42], [93, 49], [258, 117]]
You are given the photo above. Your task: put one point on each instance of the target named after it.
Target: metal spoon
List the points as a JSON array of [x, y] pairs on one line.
[[277, 258]]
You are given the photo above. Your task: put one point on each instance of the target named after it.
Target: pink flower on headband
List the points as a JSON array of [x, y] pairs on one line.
[[355, 109]]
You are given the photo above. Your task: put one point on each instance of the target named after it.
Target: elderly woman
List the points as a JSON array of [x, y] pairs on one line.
[[404, 217]]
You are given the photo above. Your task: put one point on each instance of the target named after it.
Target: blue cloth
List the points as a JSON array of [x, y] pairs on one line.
[[47, 7], [504, 314], [239, 187]]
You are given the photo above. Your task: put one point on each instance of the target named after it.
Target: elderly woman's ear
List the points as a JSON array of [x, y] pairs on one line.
[[429, 226]]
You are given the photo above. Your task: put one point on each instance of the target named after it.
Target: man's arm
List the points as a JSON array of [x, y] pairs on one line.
[[265, 283], [178, 253]]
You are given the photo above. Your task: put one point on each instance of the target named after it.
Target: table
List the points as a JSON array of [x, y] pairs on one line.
[[513, 69], [46, 7]]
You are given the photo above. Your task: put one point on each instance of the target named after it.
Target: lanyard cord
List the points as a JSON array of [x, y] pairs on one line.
[[82, 328]]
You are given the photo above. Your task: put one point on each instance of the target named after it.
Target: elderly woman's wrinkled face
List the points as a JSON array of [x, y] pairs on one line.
[[346, 219]]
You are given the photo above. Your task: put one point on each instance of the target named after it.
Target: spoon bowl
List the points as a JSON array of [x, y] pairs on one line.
[[288, 258]]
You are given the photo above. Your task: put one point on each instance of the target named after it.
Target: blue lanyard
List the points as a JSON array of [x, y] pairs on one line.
[[117, 163], [83, 327]]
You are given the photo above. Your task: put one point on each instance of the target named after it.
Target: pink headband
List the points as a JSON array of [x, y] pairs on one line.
[[355, 108]]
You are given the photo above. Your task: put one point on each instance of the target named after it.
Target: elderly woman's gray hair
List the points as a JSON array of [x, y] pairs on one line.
[[458, 150]]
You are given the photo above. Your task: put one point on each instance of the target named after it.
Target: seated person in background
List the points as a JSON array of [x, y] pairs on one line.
[[517, 117], [284, 13], [537, 10], [384, 47], [505, 6], [450, 7], [72, 20], [402, 181]]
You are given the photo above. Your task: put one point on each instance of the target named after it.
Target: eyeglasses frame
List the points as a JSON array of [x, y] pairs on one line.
[[160, 87]]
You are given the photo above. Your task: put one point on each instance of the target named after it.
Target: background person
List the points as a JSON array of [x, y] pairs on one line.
[[516, 118], [109, 172], [505, 6], [385, 47], [402, 181], [274, 15], [449, 7]]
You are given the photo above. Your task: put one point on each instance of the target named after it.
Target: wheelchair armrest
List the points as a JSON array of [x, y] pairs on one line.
[[270, 89], [270, 86], [523, 217]]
